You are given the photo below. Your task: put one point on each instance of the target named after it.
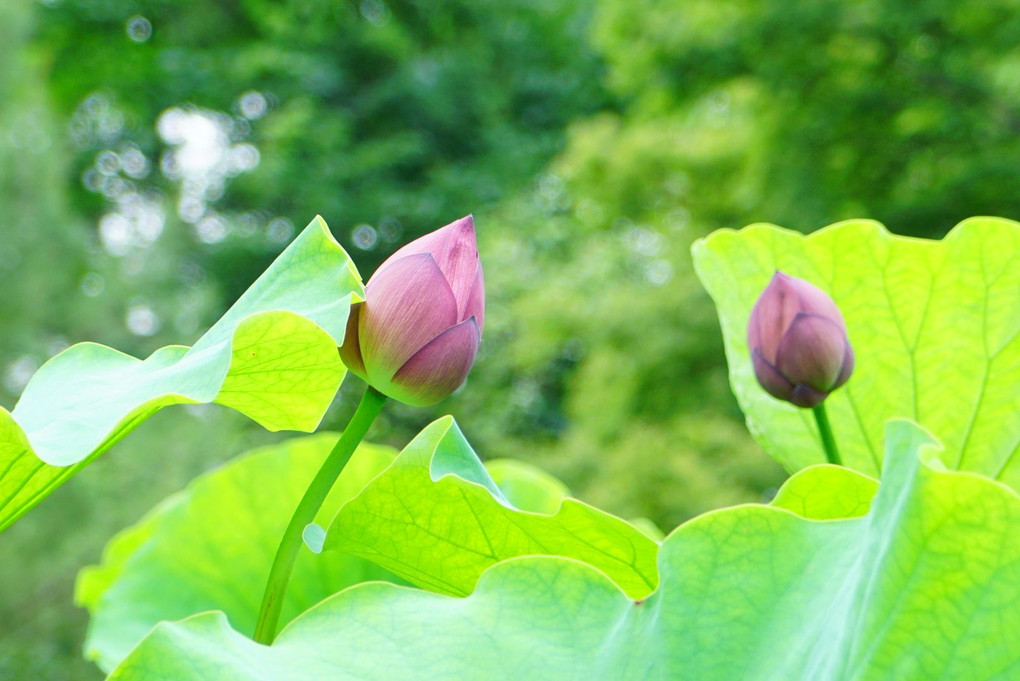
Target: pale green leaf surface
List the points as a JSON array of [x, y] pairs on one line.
[[527, 487], [272, 357], [649, 528], [925, 586], [314, 536], [935, 327], [210, 547], [437, 519], [827, 492]]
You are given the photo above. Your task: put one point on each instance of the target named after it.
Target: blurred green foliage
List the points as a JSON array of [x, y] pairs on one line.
[[37, 239], [385, 114], [156, 154], [807, 112]]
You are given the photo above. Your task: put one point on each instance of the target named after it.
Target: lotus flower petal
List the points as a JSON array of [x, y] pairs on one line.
[[770, 378], [439, 368], [350, 351], [811, 352], [813, 300], [455, 251], [772, 315], [848, 368], [806, 397], [475, 306], [406, 305]]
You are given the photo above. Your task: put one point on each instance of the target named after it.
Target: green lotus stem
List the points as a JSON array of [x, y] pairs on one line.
[[308, 507], [825, 430]]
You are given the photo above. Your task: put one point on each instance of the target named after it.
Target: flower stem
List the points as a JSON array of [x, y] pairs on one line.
[[825, 430], [318, 490]]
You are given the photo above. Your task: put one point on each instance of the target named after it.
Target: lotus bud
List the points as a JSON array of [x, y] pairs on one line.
[[416, 335], [798, 342]]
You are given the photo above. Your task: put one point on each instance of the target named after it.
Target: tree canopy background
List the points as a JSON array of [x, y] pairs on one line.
[[155, 155]]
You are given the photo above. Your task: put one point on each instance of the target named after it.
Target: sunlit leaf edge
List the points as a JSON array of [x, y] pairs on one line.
[[442, 468]]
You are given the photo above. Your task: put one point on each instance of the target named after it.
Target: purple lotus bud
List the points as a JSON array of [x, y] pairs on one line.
[[416, 335], [798, 342]]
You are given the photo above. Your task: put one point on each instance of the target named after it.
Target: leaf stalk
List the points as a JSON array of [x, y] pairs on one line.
[[290, 545], [825, 431]]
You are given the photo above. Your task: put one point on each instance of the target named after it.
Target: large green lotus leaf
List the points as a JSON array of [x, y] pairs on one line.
[[926, 585], [935, 326], [436, 518], [210, 548], [272, 357]]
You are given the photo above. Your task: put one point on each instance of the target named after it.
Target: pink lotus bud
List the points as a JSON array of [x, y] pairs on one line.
[[416, 335], [798, 342]]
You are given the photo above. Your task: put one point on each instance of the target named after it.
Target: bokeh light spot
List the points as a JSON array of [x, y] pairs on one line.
[[139, 29], [141, 320], [92, 284], [364, 237], [279, 230]]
